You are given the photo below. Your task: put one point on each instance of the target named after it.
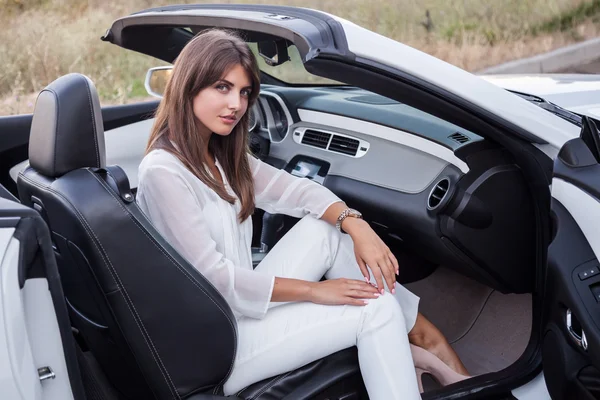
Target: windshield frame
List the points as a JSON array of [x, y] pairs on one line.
[[567, 115]]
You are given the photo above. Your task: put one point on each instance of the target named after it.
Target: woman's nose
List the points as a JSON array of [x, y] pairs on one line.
[[235, 101]]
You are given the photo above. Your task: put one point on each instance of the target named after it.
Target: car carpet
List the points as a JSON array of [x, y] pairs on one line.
[[489, 330]]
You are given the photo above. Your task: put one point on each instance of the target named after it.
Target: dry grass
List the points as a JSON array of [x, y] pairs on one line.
[[43, 39]]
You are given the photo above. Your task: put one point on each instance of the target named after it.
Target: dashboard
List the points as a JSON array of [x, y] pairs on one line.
[[431, 188]]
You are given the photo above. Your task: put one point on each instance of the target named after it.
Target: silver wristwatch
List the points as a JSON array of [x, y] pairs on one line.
[[348, 212]]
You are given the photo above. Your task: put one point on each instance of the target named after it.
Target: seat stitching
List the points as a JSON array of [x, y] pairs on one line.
[[93, 120], [56, 127], [118, 282], [270, 385], [179, 267]]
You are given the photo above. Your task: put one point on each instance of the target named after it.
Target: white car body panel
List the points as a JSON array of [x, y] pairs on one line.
[[535, 389], [578, 93]]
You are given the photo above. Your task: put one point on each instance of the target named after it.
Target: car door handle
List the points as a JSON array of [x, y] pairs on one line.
[[580, 340]]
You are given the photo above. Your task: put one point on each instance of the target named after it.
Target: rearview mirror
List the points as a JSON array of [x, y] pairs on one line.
[[274, 52], [156, 80]]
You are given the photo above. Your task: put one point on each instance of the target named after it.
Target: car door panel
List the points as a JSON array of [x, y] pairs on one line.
[[121, 115], [37, 349], [571, 320], [14, 138]]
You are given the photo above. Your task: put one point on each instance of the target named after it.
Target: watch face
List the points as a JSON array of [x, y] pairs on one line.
[[355, 213]]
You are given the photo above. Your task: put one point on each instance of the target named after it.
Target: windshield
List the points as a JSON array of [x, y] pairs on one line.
[[292, 71]]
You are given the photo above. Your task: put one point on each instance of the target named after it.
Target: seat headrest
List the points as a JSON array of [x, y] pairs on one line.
[[67, 131]]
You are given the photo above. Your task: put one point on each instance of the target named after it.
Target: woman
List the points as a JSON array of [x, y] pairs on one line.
[[199, 187]]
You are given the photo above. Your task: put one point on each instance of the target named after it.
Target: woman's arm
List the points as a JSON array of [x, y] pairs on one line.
[[278, 192], [331, 292], [369, 249]]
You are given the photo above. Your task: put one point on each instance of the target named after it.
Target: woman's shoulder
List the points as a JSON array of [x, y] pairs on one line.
[[160, 161], [162, 164], [160, 158]]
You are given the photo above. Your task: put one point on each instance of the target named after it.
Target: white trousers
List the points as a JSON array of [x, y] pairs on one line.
[[294, 334]]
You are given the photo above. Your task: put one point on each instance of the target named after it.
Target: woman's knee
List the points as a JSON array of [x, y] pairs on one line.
[[381, 311]]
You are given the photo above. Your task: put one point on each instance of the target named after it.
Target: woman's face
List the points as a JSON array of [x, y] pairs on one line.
[[220, 106]]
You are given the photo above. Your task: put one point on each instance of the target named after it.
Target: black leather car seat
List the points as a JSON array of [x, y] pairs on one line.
[[157, 328]]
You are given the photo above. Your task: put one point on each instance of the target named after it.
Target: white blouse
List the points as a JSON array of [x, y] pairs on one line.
[[206, 231]]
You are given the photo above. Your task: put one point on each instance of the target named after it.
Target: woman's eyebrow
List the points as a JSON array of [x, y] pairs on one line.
[[231, 84]]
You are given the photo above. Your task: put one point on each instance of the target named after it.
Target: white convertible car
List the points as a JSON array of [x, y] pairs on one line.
[[490, 199]]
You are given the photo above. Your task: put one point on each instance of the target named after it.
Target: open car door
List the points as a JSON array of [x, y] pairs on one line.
[[571, 320], [37, 351]]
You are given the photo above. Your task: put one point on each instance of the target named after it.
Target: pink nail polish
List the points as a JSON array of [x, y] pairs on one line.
[[393, 291], [366, 301], [366, 279], [382, 291], [376, 294]]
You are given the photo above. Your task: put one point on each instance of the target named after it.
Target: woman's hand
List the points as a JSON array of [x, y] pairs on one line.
[[342, 291], [371, 252]]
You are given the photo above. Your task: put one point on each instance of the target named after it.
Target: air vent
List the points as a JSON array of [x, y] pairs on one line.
[[438, 193], [316, 138], [344, 145], [459, 137], [331, 141]]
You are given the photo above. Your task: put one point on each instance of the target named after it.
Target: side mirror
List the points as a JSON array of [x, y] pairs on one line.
[[156, 80], [274, 52], [591, 136]]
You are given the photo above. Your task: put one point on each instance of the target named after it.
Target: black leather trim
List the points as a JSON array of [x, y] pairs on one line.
[[311, 380], [577, 165], [66, 129], [31, 260]]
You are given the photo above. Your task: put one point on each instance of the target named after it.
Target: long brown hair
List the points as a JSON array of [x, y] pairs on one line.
[[202, 62]]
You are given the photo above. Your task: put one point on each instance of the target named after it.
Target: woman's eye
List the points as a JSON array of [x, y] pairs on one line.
[[222, 88], [246, 92]]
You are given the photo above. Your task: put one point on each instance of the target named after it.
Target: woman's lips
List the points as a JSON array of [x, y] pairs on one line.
[[228, 120]]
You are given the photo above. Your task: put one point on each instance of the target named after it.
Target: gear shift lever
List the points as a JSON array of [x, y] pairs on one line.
[[272, 224]]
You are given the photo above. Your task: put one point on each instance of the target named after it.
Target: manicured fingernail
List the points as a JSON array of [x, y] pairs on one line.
[[376, 294], [366, 301], [393, 291], [382, 291], [366, 279], [397, 272]]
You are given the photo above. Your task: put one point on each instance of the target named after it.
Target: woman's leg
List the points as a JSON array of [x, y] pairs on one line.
[[313, 248], [296, 334], [426, 335], [421, 331]]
